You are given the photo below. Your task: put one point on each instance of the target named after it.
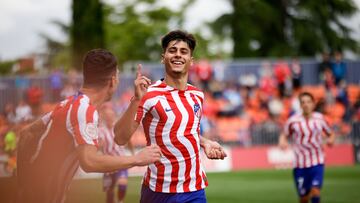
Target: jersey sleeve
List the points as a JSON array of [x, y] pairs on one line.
[[325, 127], [86, 120], [46, 118], [288, 128], [143, 108]]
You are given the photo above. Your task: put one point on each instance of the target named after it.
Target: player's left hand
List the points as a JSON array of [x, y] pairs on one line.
[[330, 141], [213, 150]]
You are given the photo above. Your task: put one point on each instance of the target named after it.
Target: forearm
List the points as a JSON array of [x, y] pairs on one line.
[[126, 125], [106, 163], [203, 141], [91, 161]]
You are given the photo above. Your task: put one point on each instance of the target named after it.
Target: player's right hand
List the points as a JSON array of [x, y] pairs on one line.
[[141, 83], [148, 155]]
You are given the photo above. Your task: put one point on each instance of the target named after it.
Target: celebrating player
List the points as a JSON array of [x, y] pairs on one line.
[[52, 148], [170, 112], [306, 130]]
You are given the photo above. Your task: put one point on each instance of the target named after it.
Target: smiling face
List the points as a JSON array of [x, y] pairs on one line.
[[177, 58]]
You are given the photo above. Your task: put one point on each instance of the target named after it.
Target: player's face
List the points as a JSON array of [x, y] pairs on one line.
[[307, 104], [177, 58]]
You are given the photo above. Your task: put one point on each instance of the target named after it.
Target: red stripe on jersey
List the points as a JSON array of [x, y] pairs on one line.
[[204, 178], [74, 120], [190, 136], [198, 178], [146, 125], [147, 177], [158, 137], [175, 164], [149, 95], [175, 141], [312, 144], [160, 176]]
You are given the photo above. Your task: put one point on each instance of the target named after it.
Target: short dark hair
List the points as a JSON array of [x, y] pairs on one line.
[[98, 66], [304, 94], [180, 36]]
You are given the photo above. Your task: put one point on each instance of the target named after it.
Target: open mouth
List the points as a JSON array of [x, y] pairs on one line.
[[175, 62]]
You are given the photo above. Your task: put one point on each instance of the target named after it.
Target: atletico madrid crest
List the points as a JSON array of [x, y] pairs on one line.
[[197, 110]]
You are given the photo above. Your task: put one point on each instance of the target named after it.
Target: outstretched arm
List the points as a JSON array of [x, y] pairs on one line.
[[91, 161], [283, 141], [126, 125], [213, 150]]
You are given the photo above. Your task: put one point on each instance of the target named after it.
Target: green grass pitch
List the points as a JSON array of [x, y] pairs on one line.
[[341, 185]]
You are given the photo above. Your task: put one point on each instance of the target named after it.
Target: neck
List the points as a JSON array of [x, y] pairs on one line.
[[96, 96], [307, 115], [178, 83]]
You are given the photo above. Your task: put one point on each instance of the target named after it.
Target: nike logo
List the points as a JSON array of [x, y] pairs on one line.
[[168, 109]]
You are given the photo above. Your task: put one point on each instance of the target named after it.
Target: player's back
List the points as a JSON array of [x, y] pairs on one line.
[[47, 169]]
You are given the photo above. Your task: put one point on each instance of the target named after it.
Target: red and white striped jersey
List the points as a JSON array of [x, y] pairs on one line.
[[106, 138], [171, 120], [54, 161], [307, 138]]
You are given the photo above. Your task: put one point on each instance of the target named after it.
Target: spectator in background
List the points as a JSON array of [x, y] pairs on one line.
[[21, 84], [338, 67], [56, 84], [219, 70], [204, 72], [267, 84], [296, 73], [34, 96], [10, 113], [324, 66], [68, 90], [282, 75], [23, 112]]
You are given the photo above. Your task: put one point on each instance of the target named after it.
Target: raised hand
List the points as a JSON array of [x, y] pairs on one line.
[[141, 83], [213, 150], [148, 155]]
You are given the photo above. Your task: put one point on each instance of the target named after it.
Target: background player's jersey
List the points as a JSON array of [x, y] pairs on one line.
[[48, 170], [171, 120], [307, 138], [106, 137]]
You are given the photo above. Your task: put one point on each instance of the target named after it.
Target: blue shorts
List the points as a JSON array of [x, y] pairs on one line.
[[149, 196], [110, 179], [307, 178]]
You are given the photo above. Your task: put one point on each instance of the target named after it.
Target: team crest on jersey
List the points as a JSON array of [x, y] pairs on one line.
[[91, 131], [197, 110]]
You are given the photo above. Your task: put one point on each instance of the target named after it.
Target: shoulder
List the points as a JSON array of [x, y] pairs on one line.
[[295, 118], [317, 115], [195, 90]]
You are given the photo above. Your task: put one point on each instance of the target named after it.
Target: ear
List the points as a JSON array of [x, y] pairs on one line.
[[162, 58], [192, 61]]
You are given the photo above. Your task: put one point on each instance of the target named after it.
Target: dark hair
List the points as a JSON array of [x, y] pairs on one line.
[[98, 67], [179, 36], [303, 94]]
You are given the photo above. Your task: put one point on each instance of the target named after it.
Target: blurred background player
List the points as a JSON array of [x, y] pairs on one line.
[[52, 147], [306, 130], [170, 111], [117, 179]]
